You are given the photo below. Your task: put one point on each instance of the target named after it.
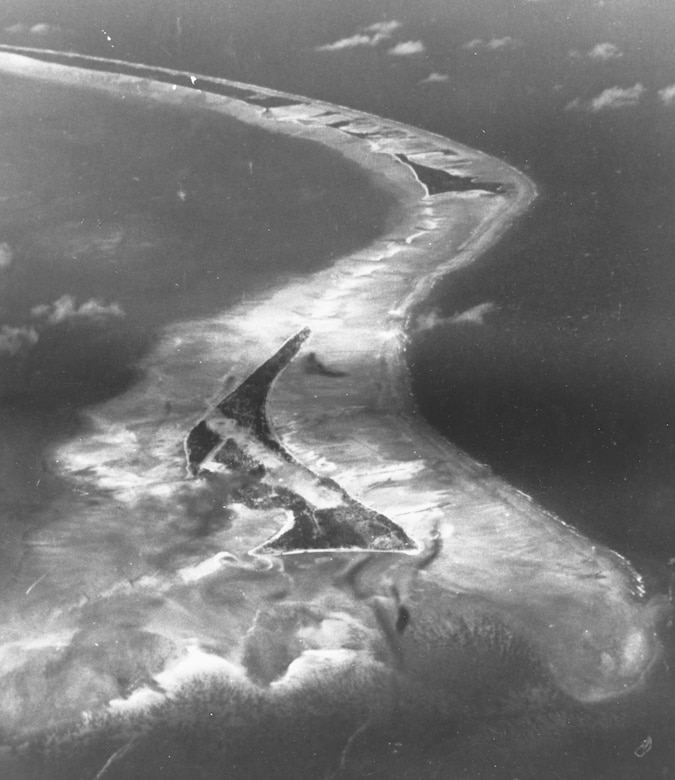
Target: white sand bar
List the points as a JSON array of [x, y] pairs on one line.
[[582, 604]]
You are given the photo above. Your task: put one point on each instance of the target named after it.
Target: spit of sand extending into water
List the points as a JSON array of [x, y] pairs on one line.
[[581, 605]]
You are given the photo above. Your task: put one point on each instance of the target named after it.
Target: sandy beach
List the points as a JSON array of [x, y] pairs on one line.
[[581, 605]]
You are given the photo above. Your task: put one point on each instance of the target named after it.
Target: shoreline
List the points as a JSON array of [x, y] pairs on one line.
[[581, 604]]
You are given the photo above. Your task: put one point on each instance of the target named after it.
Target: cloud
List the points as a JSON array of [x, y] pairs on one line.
[[478, 44], [383, 28], [348, 43], [601, 52], [612, 98], [44, 29], [473, 316], [435, 78], [605, 51], [407, 49], [65, 309], [41, 29], [371, 35], [473, 44], [616, 97], [6, 255], [503, 43], [15, 340], [16, 29], [667, 95]]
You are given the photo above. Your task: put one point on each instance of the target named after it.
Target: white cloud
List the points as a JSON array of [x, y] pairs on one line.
[[575, 105], [383, 28], [407, 49], [617, 97], [429, 321], [44, 29], [94, 309], [667, 95], [348, 43], [495, 44], [503, 43], [15, 340], [16, 29], [473, 45], [6, 255], [435, 78], [473, 316], [65, 309], [612, 98], [605, 51], [601, 52], [371, 35]]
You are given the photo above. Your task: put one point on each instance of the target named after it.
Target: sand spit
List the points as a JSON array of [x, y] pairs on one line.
[[581, 604]]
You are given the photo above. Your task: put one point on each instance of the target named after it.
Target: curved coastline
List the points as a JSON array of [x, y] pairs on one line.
[[580, 603]]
